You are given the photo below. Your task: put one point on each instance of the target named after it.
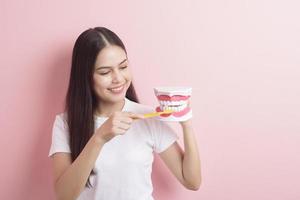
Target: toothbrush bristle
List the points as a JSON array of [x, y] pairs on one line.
[[168, 111]]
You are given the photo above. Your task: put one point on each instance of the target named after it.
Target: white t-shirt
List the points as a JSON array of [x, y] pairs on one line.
[[124, 165]]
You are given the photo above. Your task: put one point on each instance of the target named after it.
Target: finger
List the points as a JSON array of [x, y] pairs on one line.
[[134, 115], [124, 126], [120, 131], [126, 120]]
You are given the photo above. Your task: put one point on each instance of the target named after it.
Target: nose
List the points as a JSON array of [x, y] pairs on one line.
[[117, 76]]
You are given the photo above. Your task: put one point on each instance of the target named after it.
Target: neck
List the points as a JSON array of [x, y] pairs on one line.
[[106, 109]]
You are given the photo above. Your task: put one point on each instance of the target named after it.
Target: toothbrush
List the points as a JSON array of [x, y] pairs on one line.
[[154, 114]]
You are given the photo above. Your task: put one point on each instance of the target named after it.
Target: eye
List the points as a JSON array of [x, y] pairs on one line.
[[124, 67], [104, 73]]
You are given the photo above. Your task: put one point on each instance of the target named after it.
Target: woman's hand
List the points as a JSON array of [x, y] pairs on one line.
[[117, 124]]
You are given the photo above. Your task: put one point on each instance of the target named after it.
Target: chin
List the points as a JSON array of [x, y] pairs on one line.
[[115, 98]]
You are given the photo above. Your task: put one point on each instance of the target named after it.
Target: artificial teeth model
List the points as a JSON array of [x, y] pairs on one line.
[[175, 99]]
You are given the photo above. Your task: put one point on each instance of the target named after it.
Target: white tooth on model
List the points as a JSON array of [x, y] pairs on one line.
[[183, 107], [174, 103], [180, 108], [176, 106]]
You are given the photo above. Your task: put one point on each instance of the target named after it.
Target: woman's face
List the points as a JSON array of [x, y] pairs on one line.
[[112, 76]]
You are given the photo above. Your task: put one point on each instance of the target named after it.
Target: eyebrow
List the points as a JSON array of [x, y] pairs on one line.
[[104, 67]]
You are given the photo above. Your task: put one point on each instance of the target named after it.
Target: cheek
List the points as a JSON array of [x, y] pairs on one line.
[[128, 75], [101, 82]]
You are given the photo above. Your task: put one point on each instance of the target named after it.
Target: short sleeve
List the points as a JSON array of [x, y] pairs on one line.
[[60, 136], [163, 135]]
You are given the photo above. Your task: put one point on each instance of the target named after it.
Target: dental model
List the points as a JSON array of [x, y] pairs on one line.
[[176, 100]]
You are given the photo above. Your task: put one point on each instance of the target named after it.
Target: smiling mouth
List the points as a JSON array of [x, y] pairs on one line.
[[117, 89]]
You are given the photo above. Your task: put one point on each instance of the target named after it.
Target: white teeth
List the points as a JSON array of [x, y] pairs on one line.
[[117, 89], [173, 105], [174, 108]]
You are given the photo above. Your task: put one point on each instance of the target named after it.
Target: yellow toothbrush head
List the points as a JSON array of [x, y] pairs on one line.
[[154, 114], [167, 111]]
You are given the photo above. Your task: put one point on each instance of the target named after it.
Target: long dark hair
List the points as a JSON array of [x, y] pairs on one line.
[[81, 100]]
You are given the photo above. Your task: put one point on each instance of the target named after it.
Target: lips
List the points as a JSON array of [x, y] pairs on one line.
[[117, 89], [117, 86]]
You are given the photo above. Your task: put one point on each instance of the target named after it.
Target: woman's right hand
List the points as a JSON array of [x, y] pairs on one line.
[[117, 124]]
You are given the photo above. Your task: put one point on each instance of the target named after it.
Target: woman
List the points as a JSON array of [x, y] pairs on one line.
[[102, 148]]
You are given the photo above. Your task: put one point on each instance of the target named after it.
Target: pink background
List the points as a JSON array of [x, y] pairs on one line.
[[241, 57]]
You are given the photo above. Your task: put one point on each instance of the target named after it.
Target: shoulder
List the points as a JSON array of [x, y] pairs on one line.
[[61, 119], [61, 116]]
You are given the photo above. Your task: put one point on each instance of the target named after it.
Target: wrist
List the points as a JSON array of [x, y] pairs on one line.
[[187, 123], [98, 140]]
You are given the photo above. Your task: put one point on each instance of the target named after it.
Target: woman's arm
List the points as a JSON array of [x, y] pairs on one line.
[[70, 178], [185, 165], [191, 160]]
